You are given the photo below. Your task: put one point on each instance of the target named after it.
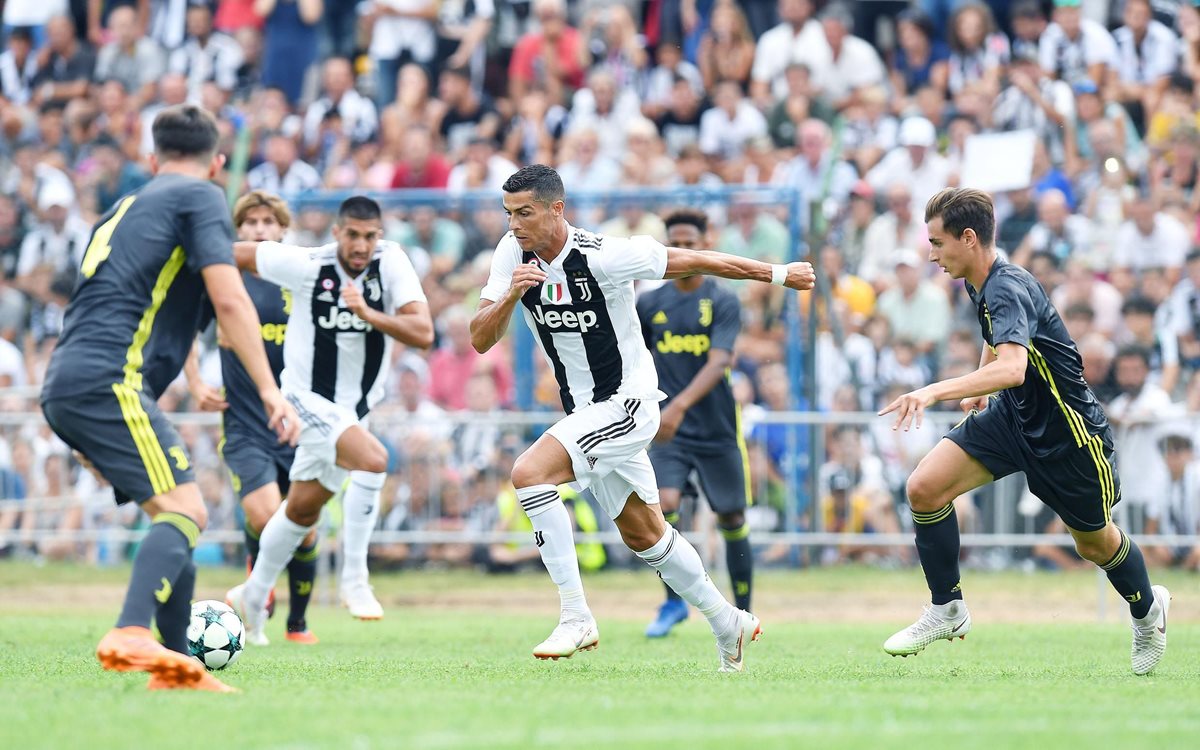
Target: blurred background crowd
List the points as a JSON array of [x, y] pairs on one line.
[[861, 109]]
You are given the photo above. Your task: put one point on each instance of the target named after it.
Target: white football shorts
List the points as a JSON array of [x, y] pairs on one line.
[[316, 452]]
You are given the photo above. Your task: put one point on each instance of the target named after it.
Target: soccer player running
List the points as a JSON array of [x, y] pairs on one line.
[[258, 465], [351, 299], [575, 289], [127, 331], [1043, 420], [690, 327]]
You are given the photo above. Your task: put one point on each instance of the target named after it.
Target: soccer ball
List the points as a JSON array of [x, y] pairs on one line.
[[215, 634]]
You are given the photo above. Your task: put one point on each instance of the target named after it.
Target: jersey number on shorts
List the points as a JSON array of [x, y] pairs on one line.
[[99, 248]]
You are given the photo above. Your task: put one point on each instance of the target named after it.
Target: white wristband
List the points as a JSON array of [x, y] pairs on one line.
[[779, 274]]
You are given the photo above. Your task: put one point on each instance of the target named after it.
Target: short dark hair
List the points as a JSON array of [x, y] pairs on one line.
[[1133, 350], [961, 209], [1138, 306], [184, 131], [359, 207], [1047, 256], [1079, 310], [24, 33], [693, 217], [542, 181]]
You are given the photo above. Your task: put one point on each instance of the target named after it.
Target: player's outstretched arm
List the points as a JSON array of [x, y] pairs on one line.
[[410, 324], [492, 317], [245, 254], [1007, 370], [683, 262], [238, 319]]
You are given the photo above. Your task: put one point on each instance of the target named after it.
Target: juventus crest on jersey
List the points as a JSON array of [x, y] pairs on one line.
[[583, 313], [330, 350]]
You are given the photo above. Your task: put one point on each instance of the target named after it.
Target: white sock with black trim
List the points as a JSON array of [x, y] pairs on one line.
[[555, 538], [680, 567], [360, 511], [276, 545]]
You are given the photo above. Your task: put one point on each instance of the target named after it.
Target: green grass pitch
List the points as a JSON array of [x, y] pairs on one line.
[[449, 667]]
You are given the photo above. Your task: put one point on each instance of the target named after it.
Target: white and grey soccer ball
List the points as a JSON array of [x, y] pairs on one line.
[[215, 634]]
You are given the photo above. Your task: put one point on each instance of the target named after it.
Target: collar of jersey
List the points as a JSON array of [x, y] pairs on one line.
[[567, 248]]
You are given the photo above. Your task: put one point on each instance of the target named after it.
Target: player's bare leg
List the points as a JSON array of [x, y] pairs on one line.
[[943, 475], [663, 548], [1120, 558], [259, 506], [536, 475], [161, 587]]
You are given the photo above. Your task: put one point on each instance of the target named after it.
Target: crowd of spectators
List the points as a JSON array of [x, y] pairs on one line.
[[865, 109]]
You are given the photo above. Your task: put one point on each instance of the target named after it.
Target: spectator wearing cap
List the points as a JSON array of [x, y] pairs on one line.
[[130, 57], [554, 58], [283, 172], [1034, 101], [915, 161], [897, 227], [1147, 55], [917, 309], [481, 169], [921, 57], [18, 66], [1073, 47], [290, 42], [463, 114], [732, 121], [978, 51], [65, 65], [797, 39], [402, 32], [1175, 510], [360, 121], [55, 246], [1148, 239], [854, 64]]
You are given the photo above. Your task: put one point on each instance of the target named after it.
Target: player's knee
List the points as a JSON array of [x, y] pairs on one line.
[[525, 473], [1093, 551], [257, 516], [731, 521], [925, 496], [375, 461], [303, 516], [639, 539]]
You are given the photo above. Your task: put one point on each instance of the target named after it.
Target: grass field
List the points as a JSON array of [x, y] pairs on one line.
[[449, 667]]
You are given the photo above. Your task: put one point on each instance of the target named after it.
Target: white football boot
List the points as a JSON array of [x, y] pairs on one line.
[[1150, 634], [945, 621], [359, 598], [255, 635], [571, 635], [731, 645]]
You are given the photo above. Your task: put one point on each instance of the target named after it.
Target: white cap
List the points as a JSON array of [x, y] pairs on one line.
[[910, 258], [55, 193], [917, 131]]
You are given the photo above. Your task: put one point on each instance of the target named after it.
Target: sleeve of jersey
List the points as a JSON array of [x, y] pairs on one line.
[[504, 262], [640, 257], [727, 322], [207, 228], [403, 280], [283, 265], [1014, 319]]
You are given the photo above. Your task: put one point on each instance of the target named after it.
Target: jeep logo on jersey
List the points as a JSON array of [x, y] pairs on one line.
[[554, 293], [552, 319], [343, 320]]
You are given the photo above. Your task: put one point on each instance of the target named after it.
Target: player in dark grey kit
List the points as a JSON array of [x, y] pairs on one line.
[[258, 465], [690, 326], [129, 326]]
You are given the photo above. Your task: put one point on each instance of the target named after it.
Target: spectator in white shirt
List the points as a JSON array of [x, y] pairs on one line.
[[725, 129], [854, 63], [1074, 47], [1148, 239], [1147, 55], [402, 32], [797, 39], [1175, 510], [898, 227], [1134, 413], [283, 173], [1058, 231], [915, 161], [605, 109], [207, 55], [815, 170], [359, 119], [18, 66]]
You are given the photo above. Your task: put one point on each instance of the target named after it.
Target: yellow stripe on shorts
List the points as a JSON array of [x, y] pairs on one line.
[[154, 458]]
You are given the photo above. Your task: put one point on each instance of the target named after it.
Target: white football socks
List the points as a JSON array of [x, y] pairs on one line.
[[360, 511], [276, 544], [680, 567], [555, 539]]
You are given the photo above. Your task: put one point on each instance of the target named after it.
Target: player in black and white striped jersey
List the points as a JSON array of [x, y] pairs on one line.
[[350, 300], [575, 289]]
